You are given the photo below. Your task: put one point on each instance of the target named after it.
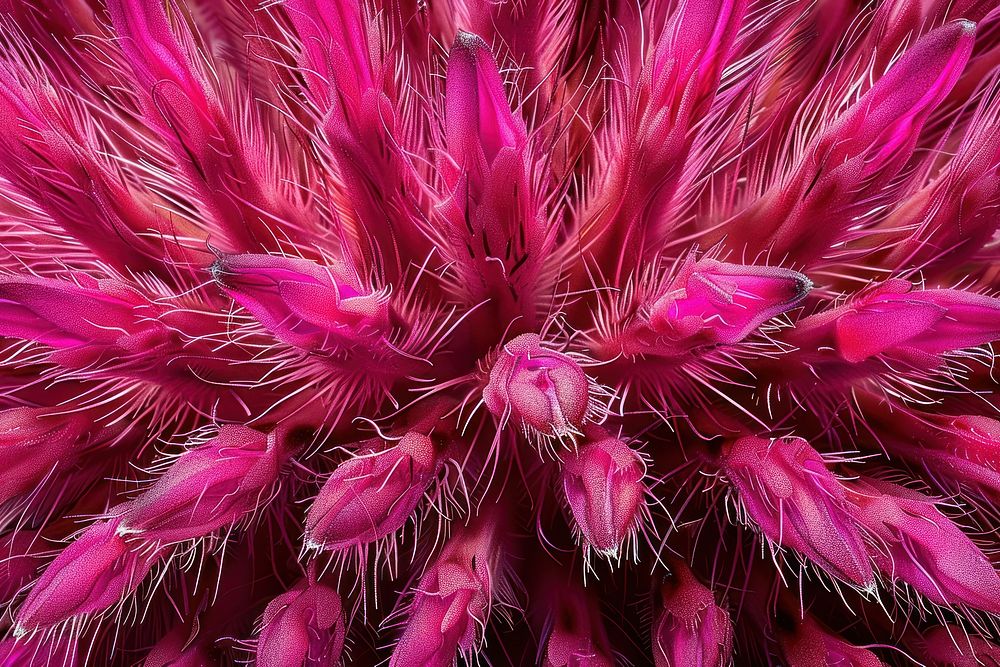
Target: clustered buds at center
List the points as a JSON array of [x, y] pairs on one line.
[[372, 495], [691, 628], [303, 627], [541, 390], [786, 490], [605, 489]]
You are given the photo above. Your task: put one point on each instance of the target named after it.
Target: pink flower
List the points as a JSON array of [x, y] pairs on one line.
[[604, 487], [541, 390], [304, 626], [98, 570], [452, 601], [691, 628], [313, 307], [787, 491], [913, 541], [210, 486], [372, 496]]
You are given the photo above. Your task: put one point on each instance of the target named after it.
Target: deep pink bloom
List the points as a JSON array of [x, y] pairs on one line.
[[350, 331], [690, 627], [373, 495], [97, 570], [212, 485], [541, 390], [451, 602], [603, 482], [787, 491], [913, 541], [304, 626]]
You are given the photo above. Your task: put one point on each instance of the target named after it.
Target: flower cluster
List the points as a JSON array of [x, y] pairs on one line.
[[562, 332]]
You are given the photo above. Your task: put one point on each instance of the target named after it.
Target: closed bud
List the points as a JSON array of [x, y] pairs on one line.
[[210, 486], [372, 495], [913, 541], [604, 487], [812, 646], [302, 303], [713, 302], [96, 571], [33, 442], [892, 318], [578, 637], [786, 490], [302, 628], [953, 646], [451, 602], [691, 628], [539, 389]]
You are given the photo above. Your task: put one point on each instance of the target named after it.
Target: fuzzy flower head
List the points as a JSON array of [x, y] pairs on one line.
[[351, 331]]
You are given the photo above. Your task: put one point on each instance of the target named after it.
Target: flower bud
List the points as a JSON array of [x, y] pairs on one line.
[[892, 318], [95, 572], [208, 487], [714, 302], [578, 637], [302, 628], [691, 628], [604, 487], [812, 646], [953, 646], [915, 542], [786, 490], [451, 602], [371, 496], [540, 389], [34, 441], [303, 304]]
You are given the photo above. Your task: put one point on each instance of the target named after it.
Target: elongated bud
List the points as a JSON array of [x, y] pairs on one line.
[[302, 303], [303, 628], [80, 319], [812, 646], [539, 389], [913, 541], [714, 302], [604, 487], [578, 637], [20, 559], [96, 571], [371, 496], [803, 215], [691, 628], [451, 603], [786, 490], [478, 119], [213, 485], [953, 646], [33, 442]]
